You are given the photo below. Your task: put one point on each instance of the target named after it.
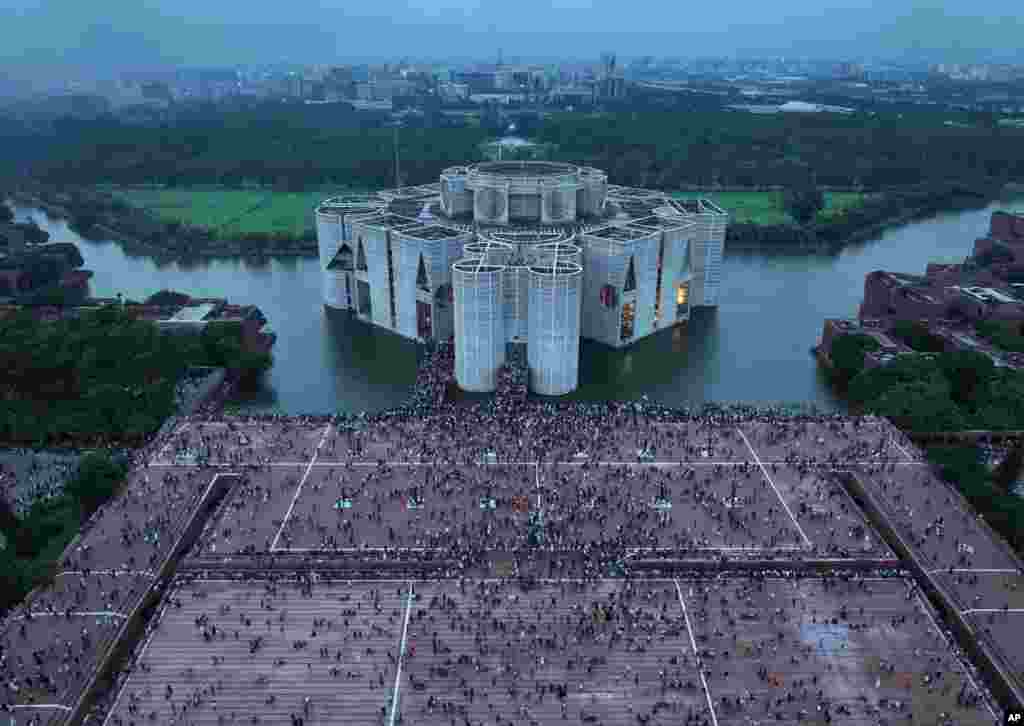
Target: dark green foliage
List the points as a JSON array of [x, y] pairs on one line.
[[1010, 468], [804, 203], [967, 372], [37, 541], [918, 337], [962, 465], [1004, 335], [102, 377], [942, 392], [167, 297], [97, 481], [999, 253], [848, 355], [313, 145]]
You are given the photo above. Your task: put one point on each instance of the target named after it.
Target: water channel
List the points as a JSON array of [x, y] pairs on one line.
[[754, 347]]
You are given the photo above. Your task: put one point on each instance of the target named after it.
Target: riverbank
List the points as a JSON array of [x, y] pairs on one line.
[[96, 214], [867, 221], [102, 214], [235, 250]]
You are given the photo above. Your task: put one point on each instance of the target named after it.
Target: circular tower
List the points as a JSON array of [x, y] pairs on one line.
[[479, 324], [523, 192], [592, 192], [456, 197], [553, 347], [526, 246]]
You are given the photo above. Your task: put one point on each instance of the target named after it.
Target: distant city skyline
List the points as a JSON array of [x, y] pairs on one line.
[[48, 39]]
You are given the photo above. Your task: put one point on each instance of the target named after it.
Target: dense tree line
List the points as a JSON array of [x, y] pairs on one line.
[[283, 145], [956, 391], [102, 377], [668, 150], [875, 210], [35, 541], [297, 146]]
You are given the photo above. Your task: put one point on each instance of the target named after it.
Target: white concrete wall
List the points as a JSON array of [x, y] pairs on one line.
[[479, 329], [553, 348]]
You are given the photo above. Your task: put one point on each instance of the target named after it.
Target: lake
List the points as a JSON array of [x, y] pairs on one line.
[[754, 347]]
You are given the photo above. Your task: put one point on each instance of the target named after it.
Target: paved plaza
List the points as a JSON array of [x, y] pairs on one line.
[[558, 645]]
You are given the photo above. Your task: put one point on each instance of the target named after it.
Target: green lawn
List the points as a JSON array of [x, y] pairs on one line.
[[767, 207], [238, 211], [244, 211], [201, 208]]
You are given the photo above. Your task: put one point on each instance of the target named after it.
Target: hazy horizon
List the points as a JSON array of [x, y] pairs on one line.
[[41, 41]]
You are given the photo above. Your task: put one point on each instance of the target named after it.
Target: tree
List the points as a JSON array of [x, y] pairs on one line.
[[847, 355], [96, 481], [967, 371], [918, 337], [1009, 470], [804, 203]]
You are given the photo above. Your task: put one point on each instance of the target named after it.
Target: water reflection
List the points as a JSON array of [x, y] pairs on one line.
[[754, 347]]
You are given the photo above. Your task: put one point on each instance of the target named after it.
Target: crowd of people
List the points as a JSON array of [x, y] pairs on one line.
[[580, 519], [28, 476]]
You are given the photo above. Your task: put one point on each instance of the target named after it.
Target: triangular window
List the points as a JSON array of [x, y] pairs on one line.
[[421, 276], [342, 260], [361, 256], [630, 277]]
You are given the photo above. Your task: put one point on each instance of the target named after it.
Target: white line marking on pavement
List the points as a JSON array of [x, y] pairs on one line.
[[139, 573], [329, 550], [370, 464], [902, 450], [696, 654], [61, 706], [401, 656], [298, 489], [980, 571], [796, 524], [984, 611], [84, 614]]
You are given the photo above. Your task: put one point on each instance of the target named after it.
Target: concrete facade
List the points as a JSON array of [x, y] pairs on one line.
[[647, 260]]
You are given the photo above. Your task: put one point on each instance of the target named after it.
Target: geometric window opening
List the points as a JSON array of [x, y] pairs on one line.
[[626, 332], [361, 256], [421, 277], [682, 300], [630, 277], [343, 260]]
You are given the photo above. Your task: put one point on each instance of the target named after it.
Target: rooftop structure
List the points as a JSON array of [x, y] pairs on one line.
[[645, 260]]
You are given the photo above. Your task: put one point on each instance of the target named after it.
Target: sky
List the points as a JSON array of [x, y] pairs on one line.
[[102, 37]]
